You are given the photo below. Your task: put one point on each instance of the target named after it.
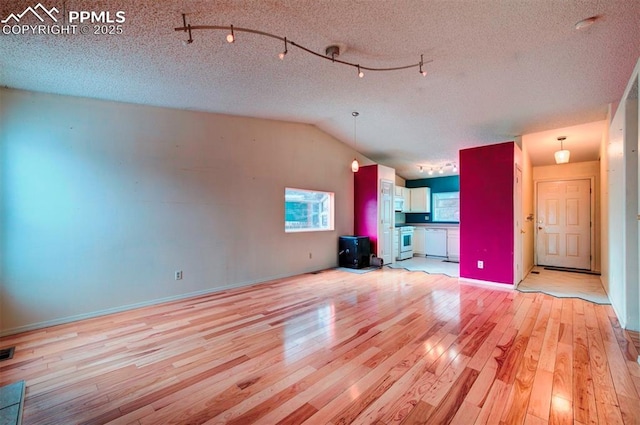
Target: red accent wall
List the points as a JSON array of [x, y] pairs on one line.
[[365, 198], [486, 212]]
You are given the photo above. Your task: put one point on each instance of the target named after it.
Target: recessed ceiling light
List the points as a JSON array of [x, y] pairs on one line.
[[585, 23]]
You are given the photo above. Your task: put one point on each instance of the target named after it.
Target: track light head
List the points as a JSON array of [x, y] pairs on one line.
[[281, 55], [231, 37]]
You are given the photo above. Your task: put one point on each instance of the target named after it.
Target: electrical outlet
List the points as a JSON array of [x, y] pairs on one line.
[[481, 264], [179, 275]]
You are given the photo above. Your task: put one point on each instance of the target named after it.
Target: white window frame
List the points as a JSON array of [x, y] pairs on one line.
[[322, 220]]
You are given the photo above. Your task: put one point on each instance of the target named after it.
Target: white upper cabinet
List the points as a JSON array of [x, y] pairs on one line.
[[406, 206], [420, 200]]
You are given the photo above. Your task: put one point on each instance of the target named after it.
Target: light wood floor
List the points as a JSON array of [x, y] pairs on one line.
[[389, 346]]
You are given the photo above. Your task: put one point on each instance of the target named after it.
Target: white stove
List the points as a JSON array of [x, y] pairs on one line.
[[405, 242]]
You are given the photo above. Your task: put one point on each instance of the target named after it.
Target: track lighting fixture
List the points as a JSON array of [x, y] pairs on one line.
[[331, 52], [449, 168], [421, 170]]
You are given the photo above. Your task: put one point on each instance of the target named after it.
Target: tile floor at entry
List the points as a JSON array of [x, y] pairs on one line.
[[556, 283], [429, 265], [565, 285]]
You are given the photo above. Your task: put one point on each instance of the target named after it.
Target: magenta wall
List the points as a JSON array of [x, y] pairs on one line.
[[365, 199], [486, 212]]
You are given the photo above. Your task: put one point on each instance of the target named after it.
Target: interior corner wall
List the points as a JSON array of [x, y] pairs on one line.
[[604, 204], [486, 212], [101, 203], [578, 170], [623, 186]]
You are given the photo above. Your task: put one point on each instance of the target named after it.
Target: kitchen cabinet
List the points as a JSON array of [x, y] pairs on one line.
[[399, 192], [419, 241], [453, 244], [396, 243], [420, 200], [407, 200]]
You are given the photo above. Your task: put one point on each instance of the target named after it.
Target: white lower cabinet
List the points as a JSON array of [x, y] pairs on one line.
[[419, 241], [453, 244], [396, 243]]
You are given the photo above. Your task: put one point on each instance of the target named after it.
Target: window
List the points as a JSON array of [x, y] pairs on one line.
[[307, 210], [446, 206]]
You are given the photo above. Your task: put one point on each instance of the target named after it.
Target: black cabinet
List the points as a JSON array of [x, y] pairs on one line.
[[354, 251]]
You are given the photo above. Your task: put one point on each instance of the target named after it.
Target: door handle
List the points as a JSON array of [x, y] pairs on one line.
[[522, 231], [540, 228]]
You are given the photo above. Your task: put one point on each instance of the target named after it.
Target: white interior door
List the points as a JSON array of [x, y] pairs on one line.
[[564, 224], [385, 232]]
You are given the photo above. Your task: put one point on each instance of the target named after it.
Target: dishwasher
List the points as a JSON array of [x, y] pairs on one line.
[[436, 242]]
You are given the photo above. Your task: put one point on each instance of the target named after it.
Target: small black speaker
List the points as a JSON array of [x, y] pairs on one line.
[[354, 251]]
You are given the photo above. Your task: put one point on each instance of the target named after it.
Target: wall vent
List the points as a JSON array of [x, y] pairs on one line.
[[7, 353]]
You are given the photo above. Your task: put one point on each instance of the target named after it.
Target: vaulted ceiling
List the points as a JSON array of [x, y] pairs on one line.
[[496, 70]]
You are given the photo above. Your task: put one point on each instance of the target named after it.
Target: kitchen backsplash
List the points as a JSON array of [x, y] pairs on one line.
[[418, 218]]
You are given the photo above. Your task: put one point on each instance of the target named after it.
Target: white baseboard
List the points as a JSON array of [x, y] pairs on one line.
[[493, 285], [93, 314]]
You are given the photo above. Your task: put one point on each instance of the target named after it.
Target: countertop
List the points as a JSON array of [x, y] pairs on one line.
[[432, 225]]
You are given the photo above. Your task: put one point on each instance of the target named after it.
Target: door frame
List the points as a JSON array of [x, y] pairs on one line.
[[518, 226], [381, 226], [592, 216]]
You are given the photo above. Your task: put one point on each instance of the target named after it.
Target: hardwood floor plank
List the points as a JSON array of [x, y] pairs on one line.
[[615, 358], [445, 410], [466, 414], [584, 403], [419, 414], [385, 347], [629, 409], [534, 420], [540, 396], [606, 399], [561, 411], [494, 405]]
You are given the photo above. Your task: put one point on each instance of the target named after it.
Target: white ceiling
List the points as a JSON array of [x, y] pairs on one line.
[[497, 70]]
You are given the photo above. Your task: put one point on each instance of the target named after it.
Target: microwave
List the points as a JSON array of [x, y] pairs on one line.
[[398, 204]]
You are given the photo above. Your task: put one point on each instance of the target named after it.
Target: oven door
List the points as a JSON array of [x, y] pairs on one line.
[[406, 241]]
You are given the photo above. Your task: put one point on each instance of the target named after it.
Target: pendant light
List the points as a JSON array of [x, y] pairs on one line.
[[355, 166], [562, 156]]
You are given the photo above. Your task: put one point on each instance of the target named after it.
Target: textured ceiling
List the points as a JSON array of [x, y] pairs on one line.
[[498, 70]]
